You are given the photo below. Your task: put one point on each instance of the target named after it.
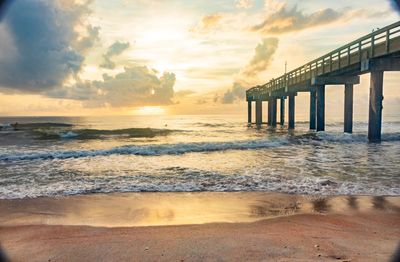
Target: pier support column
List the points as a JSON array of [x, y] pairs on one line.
[[348, 108], [313, 115], [258, 112], [269, 112], [249, 113], [320, 107], [273, 111], [282, 115], [291, 111], [375, 106]]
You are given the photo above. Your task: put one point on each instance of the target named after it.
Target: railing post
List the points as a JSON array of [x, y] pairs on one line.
[[375, 106], [387, 41], [291, 111], [372, 46], [348, 108], [320, 107], [348, 56]]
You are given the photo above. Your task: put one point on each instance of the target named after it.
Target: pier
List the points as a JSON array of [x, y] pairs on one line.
[[374, 53]]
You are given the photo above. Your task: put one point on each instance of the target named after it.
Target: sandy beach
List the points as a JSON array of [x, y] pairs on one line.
[[200, 227]]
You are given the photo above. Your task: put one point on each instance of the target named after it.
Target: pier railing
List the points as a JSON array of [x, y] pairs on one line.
[[379, 43]]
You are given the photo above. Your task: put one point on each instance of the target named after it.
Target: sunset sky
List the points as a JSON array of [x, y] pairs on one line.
[[171, 57]]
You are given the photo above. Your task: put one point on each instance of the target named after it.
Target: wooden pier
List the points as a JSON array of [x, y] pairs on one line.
[[374, 53]]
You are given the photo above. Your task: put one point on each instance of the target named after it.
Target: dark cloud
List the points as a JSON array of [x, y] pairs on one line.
[[395, 4], [137, 85], [114, 50], [40, 50], [43, 48], [287, 20]]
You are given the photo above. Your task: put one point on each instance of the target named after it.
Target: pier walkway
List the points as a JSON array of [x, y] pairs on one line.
[[374, 53]]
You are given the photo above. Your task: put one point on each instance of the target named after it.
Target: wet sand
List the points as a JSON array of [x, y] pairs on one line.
[[199, 227]]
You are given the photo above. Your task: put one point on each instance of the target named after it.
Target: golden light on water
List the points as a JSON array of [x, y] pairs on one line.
[[149, 110]]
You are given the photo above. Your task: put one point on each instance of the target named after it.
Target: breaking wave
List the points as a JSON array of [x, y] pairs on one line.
[[194, 147]]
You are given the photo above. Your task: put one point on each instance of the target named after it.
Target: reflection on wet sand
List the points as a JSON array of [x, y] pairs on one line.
[[352, 202], [152, 209], [321, 205]]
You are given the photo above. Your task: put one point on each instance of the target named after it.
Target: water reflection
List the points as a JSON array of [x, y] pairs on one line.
[[352, 202], [152, 209], [321, 205]]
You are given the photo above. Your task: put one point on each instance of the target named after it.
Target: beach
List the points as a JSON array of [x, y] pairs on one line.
[[200, 227], [204, 188]]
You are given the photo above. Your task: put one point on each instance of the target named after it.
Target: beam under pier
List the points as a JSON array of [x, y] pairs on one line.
[[313, 115], [375, 106], [258, 112], [282, 114], [249, 113], [320, 107], [291, 111], [348, 108]]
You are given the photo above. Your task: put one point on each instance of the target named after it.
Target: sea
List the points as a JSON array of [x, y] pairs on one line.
[[59, 156]]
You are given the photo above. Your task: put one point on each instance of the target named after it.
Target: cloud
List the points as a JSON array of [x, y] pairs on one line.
[[136, 86], [395, 5], [262, 58], [44, 47], [285, 20], [244, 4], [207, 23], [236, 92], [114, 50]]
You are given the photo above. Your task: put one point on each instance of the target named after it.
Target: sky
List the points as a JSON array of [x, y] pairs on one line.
[[100, 57]]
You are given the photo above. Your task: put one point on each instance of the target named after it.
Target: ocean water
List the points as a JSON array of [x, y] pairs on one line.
[[55, 156]]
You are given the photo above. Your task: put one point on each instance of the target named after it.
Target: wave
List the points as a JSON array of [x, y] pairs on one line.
[[147, 150], [33, 126], [194, 147], [98, 133], [193, 180]]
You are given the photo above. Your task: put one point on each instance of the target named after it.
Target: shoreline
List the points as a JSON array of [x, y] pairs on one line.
[[200, 226], [181, 208]]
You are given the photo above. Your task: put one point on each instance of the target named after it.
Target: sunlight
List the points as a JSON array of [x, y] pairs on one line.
[[149, 110]]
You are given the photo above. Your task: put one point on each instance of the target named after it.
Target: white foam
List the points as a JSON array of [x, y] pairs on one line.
[[147, 150], [68, 135]]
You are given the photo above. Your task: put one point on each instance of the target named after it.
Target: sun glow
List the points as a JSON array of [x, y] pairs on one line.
[[150, 110]]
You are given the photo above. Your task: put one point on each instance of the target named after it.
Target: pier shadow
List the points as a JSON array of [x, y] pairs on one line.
[[269, 208], [352, 202], [321, 205], [379, 202]]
